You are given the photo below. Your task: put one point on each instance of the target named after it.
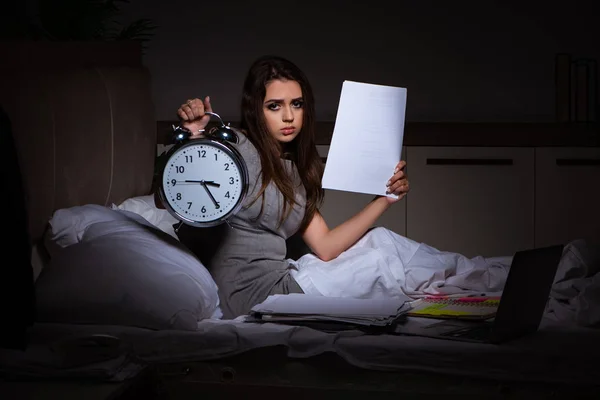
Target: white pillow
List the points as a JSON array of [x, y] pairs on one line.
[[124, 271], [145, 207], [67, 225]]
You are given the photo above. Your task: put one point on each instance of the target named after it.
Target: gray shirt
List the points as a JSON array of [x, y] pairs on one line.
[[248, 260]]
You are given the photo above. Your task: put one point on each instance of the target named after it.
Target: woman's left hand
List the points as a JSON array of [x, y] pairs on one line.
[[398, 183]]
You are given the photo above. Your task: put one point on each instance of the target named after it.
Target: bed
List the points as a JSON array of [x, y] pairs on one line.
[[119, 296]]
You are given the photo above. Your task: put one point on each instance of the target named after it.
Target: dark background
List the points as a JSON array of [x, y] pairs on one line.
[[465, 60]]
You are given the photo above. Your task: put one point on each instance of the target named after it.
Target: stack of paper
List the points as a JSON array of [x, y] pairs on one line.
[[301, 308]]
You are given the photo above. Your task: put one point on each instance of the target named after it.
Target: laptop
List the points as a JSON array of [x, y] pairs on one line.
[[520, 310]]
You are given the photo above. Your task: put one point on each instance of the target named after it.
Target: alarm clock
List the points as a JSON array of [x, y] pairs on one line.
[[204, 180]]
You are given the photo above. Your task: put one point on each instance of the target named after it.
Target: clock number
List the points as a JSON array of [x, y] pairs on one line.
[[189, 159], [202, 153], [173, 182], [179, 169], [226, 166], [216, 157], [227, 194], [203, 209], [231, 180], [189, 205], [178, 196]]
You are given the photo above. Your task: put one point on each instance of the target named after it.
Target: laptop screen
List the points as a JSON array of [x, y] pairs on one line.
[[526, 290]]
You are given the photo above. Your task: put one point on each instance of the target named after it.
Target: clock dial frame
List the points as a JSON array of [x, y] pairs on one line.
[[204, 182]]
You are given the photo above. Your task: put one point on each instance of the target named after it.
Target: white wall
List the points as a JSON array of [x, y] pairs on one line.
[[460, 60]]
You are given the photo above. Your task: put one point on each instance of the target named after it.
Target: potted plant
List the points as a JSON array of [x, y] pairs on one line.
[[89, 30], [79, 20]]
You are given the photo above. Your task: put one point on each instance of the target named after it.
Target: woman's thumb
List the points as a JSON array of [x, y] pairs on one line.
[[207, 105]]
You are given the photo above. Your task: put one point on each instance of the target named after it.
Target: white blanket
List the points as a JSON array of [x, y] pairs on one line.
[[384, 263]]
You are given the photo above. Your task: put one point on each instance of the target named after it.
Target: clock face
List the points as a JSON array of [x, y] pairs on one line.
[[203, 183]]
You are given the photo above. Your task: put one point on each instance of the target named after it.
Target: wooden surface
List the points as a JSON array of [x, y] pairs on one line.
[[467, 134], [65, 390], [142, 386]]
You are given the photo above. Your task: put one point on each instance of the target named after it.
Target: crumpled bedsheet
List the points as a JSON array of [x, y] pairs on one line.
[[555, 354], [575, 295], [565, 349]]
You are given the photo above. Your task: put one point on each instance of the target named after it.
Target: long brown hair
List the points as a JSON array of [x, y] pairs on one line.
[[302, 150]]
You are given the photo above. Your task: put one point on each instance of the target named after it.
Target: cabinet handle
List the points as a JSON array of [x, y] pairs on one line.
[[469, 161], [588, 162]]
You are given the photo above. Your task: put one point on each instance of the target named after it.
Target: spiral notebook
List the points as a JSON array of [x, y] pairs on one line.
[[474, 308]]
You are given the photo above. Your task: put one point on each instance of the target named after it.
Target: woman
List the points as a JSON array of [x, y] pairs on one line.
[[278, 144]]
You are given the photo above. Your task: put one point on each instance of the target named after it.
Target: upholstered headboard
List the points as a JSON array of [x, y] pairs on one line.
[[84, 135]]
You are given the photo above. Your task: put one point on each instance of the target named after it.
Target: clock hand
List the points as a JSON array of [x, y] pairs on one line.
[[203, 182], [217, 206]]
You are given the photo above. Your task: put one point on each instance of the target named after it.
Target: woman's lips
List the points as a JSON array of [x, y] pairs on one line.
[[288, 131]]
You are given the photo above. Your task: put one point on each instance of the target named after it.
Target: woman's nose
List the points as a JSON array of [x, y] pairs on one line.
[[288, 115]]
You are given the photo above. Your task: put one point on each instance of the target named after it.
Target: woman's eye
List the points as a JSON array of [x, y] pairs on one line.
[[298, 104], [273, 106]]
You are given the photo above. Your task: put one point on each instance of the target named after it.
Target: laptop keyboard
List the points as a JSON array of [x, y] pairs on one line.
[[476, 333]]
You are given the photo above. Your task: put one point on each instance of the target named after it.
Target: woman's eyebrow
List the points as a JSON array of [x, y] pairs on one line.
[[281, 100]]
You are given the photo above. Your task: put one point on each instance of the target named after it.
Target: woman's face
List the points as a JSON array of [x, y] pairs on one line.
[[283, 108]]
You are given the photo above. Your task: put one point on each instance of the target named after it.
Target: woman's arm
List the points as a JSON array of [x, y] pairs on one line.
[[327, 243], [193, 118]]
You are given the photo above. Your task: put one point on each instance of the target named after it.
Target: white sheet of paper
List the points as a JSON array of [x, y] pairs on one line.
[[367, 138]]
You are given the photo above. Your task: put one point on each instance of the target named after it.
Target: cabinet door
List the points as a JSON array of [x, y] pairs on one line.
[[567, 200], [471, 200], [338, 206]]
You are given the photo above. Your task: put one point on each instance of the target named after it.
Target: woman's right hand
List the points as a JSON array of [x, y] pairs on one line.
[[192, 114]]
